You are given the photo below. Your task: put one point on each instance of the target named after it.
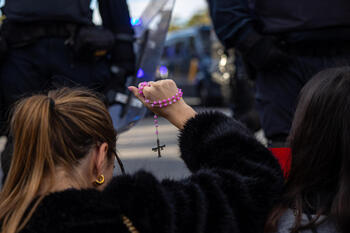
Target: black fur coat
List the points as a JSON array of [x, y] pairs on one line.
[[235, 180]]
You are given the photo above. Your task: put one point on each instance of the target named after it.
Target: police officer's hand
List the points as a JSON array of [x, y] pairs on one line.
[[265, 53]]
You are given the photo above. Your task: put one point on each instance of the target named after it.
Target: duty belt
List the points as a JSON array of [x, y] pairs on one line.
[[22, 34], [318, 48]]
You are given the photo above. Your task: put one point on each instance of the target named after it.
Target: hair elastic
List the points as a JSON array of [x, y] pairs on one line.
[[52, 103]]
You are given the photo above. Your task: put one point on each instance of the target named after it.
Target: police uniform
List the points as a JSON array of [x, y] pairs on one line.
[[42, 37], [39, 34], [286, 43]]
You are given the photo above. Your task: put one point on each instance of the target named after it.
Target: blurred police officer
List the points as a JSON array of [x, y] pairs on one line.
[[242, 95], [285, 42], [54, 42]]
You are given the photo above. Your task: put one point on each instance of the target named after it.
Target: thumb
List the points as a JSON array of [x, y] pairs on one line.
[[134, 90], [136, 93]]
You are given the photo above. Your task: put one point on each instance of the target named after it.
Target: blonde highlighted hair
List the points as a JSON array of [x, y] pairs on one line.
[[51, 130]]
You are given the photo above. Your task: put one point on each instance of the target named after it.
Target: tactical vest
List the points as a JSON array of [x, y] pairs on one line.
[[279, 16], [77, 11]]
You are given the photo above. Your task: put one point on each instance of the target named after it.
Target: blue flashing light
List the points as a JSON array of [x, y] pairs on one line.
[[136, 118], [136, 21], [140, 73], [163, 70]]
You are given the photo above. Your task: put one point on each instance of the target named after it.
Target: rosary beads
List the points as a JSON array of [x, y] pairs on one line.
[[160, 104]]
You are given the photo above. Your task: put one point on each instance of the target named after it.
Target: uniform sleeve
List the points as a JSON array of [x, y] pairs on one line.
[[115, 17], [234, 183], [232, 20]]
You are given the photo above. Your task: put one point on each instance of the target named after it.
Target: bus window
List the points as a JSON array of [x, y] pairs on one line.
[[205, 36], [165, 52], [192, 47], [179, 48]]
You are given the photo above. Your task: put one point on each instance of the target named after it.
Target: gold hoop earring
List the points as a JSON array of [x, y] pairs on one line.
[[100, 180]]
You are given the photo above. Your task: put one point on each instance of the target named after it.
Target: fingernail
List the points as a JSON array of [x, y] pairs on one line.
[[130, 88]]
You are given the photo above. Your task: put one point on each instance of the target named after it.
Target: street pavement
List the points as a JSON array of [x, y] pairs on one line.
[[135, 149]]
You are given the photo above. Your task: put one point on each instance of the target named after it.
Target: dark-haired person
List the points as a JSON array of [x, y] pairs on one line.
[[317, 192], [60, 179]]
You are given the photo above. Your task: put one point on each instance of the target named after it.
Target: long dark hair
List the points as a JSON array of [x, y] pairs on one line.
[[319, 179]]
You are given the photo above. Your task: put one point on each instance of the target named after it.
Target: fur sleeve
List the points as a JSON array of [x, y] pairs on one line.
[[235, 183], [250, 176], [213, 140], [211, 200]]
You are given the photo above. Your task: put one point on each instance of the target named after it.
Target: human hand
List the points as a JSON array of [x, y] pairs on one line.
[[177, 112]]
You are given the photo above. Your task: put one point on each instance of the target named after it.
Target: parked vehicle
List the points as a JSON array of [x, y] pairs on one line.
[[188, 59]]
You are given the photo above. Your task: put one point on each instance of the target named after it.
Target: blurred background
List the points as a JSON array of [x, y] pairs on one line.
[[183, 12], [187, 56], [196, 60], [199, 64], [188, 40]]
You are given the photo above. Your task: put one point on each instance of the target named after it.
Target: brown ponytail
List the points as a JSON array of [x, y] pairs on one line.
[[49, 131]]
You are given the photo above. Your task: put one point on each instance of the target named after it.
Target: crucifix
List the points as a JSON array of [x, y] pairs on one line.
[[160, 103], [158, 148]]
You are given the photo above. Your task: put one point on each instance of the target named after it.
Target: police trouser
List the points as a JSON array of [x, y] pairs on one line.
[[2, 115], [45, 64], [278, 89], [242, 86]]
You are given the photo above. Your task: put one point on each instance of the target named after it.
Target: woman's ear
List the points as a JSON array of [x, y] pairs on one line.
[[101, 158]]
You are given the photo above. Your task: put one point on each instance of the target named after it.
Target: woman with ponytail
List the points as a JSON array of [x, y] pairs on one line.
[[60, 179]]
